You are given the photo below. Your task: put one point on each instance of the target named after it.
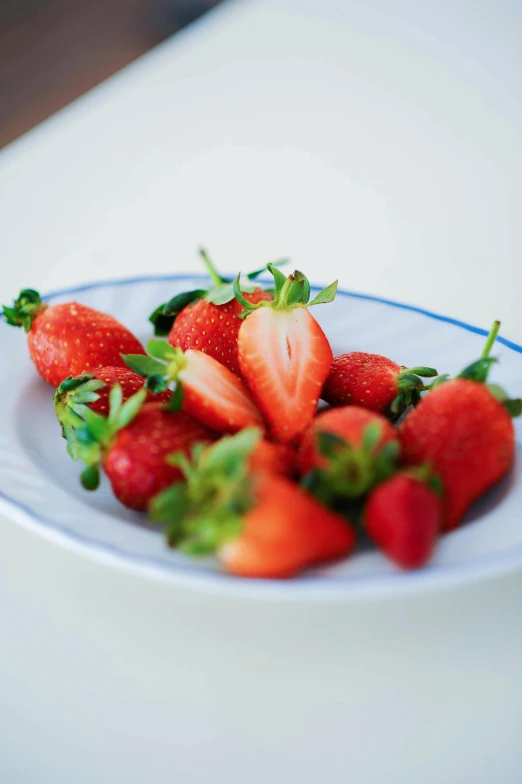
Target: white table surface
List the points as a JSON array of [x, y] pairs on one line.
[[379, 142]]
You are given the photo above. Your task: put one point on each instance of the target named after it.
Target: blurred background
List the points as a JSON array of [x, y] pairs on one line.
[[52, 51]]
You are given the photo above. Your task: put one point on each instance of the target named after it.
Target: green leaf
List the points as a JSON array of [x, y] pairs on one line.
[[181, 461], [279, 278], [326, 295], [329, 444], [130, 409], [169, 505], [513, 406], [143, 365], [176, 399], [98, 427], [221, 294], [230, 453], [240, 298], [115, 401], [71, 382], [160, 349], [408, 381], [371, 436], [297, 293], [156, 384], [425, 372], [479, 370], [180, 301], [258, 272], [90, 477], [306, 285], [164, 316]]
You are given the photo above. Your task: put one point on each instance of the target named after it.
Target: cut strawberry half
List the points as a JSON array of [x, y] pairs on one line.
[[284, 355], [203, 387]]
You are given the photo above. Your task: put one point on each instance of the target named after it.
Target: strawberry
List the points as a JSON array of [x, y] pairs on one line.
[[403, 515], [273, 457], [463, 428], [131, 445], [92, 390], [284, 354], [207, 320], [69, 338], [374, 382], [346, 451], [207, 390], [259, 524]]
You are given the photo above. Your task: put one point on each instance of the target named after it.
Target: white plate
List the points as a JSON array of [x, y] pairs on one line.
[[39, 484]]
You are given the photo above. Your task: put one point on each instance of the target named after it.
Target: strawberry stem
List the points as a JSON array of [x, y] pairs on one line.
[[490, 340], [216, 278]]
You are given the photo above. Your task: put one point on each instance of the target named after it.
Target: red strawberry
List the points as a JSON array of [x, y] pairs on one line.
[[272, 457], [207, 390], [132, 444], [284, 354], [463, 429], [403, 515], [92, 389], [349, 424], [208, 321], [259, 524], [69, 338], [374, 382]]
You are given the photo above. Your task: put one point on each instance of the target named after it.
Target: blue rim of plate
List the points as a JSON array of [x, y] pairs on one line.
[[304, 588]]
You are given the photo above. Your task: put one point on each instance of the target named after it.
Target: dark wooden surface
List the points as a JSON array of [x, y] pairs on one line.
[[52, 51]]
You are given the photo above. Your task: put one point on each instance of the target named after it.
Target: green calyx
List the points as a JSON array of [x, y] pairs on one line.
[[479, 370], [424, 473], [90, 435], [204, 511], [410, 385], [71, 400], [220, 292], [352, 470], [160, 369], [24, 309], [289, 292]]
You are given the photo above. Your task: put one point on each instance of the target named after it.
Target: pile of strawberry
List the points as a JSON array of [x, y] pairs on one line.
[[215, 430]]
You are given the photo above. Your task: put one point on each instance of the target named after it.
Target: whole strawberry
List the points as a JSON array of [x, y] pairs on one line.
[[464, 430], [69, 338], [403, 515], [131, 445], [207, 320], [284, 354], [258, 523], [345, 452], [92, 391], [374, 382]]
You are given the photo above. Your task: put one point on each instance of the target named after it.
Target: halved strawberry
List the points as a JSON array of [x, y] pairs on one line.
[[284, 354], [206, 320], [258, 523], [204, 388]]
